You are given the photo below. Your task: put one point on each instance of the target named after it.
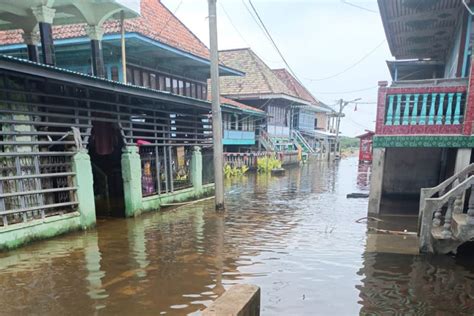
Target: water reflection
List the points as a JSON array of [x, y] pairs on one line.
[[422, 285], [295, 236], [363, 176]]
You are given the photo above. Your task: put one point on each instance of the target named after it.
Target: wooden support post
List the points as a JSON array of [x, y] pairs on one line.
[[45, 15], [95, 33]]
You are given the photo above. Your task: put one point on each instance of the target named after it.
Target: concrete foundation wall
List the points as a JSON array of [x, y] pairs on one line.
[[155, 202], [20, 234], [407, 170]]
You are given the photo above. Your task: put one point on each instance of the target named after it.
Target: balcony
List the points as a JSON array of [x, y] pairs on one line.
[[233, 137], [423, 107]]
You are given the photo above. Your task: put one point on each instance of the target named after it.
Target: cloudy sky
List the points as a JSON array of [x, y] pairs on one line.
[[323, 41]]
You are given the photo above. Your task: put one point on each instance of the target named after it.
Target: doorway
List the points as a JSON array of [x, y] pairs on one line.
[[105, 150]]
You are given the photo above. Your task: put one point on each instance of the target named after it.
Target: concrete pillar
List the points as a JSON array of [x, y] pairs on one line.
[[463, 159], [31, 40], [81, 165], [45, 15], [95, 33], [376, 180], [132, 180], [196, 169]]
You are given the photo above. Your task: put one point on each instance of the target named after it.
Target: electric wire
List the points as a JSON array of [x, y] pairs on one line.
[[171, 17], [273, 41], [351, 66], [358, 6]]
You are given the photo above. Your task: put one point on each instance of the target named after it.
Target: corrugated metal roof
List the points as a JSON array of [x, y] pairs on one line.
[[420, 28]]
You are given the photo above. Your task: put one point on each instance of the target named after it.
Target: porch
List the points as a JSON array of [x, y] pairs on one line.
[[74, 147], [424, 107]]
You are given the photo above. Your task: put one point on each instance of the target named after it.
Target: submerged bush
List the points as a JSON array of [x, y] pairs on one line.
[[267, 164]]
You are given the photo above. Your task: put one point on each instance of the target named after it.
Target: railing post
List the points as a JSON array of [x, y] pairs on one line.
[[425, 229], [431, 115], [470, 211], [439, 116], [423, 110], [406, 111], [437, 217], [447, 219], [457, 109], [414, 113], [398, 110], [389, 120], [449, 110]]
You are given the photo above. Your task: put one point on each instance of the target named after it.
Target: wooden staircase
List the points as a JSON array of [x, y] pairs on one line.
[[444, 222]]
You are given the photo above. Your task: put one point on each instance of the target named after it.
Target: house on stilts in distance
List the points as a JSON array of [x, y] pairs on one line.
[[294, 118], [422, 147]]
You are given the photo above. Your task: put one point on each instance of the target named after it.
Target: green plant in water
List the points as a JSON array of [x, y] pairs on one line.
[[230, 171], [267, 164]]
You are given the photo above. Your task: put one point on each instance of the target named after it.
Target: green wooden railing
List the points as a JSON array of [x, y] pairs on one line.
[[425, 109]]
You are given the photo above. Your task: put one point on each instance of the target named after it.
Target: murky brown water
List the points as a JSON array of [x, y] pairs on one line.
[[294, 236]]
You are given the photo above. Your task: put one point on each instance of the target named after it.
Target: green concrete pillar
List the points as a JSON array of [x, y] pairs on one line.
[[132, 180], [196, 170], [81, 165]]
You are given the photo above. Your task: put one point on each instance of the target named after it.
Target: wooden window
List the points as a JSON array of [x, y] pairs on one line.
[[251, 124], [114, 73], [180, 87], [129, 75], [161, 85], [136, 77], [204, 92], [168, 84], [198, 91], [175, 86], [145, 79], [193, 90], [153, 81], [187, 88]]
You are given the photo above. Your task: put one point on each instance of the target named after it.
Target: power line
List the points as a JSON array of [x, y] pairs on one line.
[[349, 91], [254, 19], [233, 25], [358, 6], [171, 16], [351, 66], [273, 42]]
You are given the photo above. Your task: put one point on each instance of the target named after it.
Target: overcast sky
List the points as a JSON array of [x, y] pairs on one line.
[[319, 39]]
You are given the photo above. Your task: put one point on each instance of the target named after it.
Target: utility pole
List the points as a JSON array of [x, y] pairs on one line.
[[216, 109], [340, 114], [342, 105]]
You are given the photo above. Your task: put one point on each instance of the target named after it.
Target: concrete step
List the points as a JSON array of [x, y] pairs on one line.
[[461, 228], [437, 233]]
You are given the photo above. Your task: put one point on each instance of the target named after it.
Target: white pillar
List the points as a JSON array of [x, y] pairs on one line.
[[376, 180], [463, 159]]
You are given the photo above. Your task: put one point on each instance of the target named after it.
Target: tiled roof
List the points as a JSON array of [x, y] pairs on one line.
[[294, 85], [298, 89], [258, 79], [155, 22]]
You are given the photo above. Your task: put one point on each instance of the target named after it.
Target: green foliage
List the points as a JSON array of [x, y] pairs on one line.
[[230, 171], [267, 164], [349, 142]]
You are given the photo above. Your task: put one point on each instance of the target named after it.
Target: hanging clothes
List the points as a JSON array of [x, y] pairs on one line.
[[104, 137]]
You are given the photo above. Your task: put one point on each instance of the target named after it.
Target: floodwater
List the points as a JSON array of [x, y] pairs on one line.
[[294, 236]]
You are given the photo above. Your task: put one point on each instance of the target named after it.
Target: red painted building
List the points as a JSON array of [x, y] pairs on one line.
[[365, 146]]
